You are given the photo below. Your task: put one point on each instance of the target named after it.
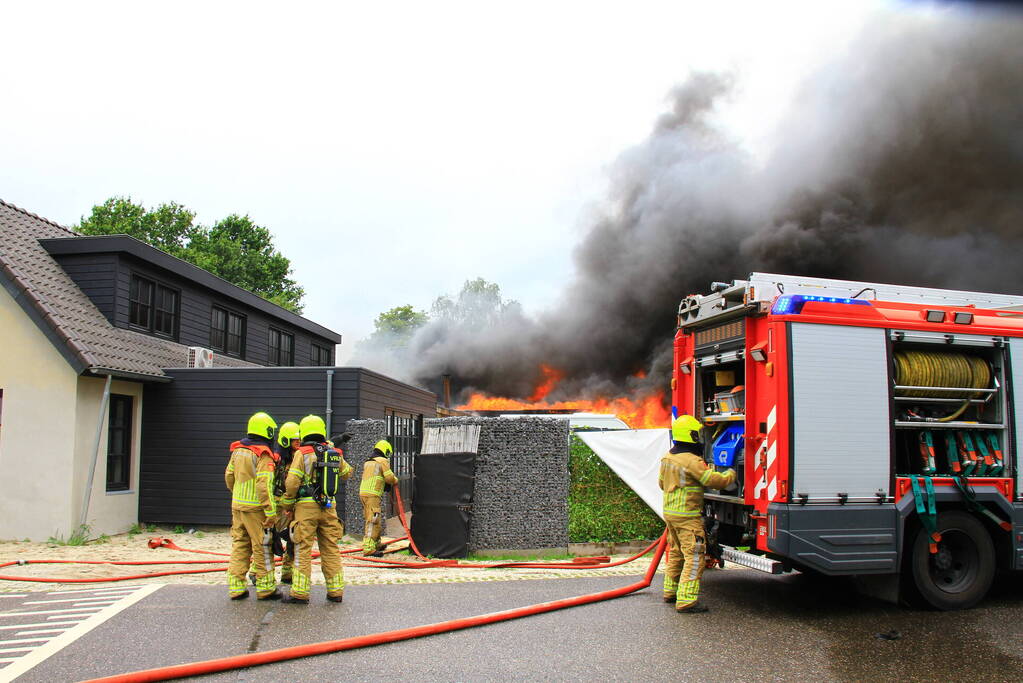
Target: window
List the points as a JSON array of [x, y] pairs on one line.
[[227, 332], [119, 443], [321, 355], [153, 307], [282, 348]]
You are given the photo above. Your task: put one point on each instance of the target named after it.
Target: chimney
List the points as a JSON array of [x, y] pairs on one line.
[[447, 390]]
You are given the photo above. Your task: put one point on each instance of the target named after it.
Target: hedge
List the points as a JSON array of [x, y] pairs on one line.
[[601, 507]]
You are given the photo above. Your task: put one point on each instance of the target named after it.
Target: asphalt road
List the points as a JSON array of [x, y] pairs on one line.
[[760, 627]]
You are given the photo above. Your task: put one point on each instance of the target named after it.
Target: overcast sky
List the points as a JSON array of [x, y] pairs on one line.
[[394, 149]]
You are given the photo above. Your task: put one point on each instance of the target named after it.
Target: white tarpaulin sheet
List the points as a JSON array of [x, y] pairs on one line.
[[635, 456]]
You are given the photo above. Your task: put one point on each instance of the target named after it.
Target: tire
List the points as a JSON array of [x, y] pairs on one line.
[[960, 574]]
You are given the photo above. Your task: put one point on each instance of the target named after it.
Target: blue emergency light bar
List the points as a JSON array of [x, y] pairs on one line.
[[792, 304]]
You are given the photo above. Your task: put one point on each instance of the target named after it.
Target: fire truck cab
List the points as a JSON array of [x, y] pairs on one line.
[[874, 429]]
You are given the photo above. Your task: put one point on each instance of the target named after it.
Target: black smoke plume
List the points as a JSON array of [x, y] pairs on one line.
[[901, 161]]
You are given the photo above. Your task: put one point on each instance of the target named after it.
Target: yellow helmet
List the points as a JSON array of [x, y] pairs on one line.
[[686, 428], [287, 432], [384, 447], [262, 424], [312, 424]]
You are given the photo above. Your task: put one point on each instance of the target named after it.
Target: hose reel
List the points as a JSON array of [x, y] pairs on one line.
[[944, 371]]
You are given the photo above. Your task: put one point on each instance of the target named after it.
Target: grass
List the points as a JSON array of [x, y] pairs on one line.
[[135, 529], [79, 536]]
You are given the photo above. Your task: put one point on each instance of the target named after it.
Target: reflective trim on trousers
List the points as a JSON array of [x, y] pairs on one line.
[[336, 582], [670, 585], [300, 584], [235, 585], [688, 592]]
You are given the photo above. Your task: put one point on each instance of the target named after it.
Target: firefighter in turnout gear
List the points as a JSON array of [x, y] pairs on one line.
[[683, 476], [376, 472], [288, 441], [312, 484], [249, 477]]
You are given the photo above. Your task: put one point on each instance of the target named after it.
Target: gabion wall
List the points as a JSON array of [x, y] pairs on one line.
[[520, 497], [358, 450]]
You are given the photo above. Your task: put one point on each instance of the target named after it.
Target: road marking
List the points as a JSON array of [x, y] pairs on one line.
[[41, 653], [36, 625], [47, 631], [100, 591], [22, 640], [97, 603], [48, 611], [16, 647]]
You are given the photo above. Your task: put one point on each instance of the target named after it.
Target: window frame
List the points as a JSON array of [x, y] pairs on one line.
[[125, 441], [274, 352], [154, 305], [321, 356], [229, 317]]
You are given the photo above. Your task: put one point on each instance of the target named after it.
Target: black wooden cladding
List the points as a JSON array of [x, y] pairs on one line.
[[189, 423], [106, 279]]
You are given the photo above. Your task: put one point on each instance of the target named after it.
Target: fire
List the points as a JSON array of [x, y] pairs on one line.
[[643, 413]]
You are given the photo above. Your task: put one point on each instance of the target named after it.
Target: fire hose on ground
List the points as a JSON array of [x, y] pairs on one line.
[[325, 647]]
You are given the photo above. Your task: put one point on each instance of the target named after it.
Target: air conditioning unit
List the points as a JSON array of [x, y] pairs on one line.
[[198, 357]]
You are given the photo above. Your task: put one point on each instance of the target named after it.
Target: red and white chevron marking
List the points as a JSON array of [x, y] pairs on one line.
[[766, 472]]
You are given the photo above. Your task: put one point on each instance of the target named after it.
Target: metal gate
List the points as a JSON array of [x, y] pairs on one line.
[[405, 432]]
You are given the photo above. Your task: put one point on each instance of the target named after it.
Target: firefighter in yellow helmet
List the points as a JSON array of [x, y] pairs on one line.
[[288, 442], [314, 481], [249, 477], [375, 473], [683, 476]]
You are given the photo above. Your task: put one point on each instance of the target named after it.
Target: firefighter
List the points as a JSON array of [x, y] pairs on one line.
[[683, 476], [288, 442], [375, 473], [249, 477], [315, 514]]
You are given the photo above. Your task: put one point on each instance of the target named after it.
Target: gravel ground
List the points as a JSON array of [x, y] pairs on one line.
[[135, 548]]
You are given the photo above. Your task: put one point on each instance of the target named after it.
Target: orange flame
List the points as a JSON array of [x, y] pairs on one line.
[[643, 413]]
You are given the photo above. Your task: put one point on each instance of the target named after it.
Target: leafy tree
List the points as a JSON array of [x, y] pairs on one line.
[[243, 253], [235, 248], [169, 227], [395, 328], [478, 304]]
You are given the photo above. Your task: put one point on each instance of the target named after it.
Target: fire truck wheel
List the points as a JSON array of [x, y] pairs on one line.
[[959, 574]]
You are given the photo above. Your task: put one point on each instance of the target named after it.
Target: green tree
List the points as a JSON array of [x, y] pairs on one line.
[[395, 328], [169, 227], [235, 248], [243, 253], [478, 304]]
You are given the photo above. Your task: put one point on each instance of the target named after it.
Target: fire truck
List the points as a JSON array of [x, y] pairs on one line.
[[874, 429]]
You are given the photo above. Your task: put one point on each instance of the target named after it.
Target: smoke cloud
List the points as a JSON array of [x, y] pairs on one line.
[[901, 161]]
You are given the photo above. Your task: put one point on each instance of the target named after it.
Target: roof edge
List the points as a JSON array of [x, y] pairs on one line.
[[99, 244], [36, 216]]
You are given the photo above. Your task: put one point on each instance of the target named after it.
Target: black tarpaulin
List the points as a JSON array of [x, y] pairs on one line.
[[441, 503]]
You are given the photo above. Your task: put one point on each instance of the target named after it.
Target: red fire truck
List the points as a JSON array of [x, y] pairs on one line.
[[874, 429]]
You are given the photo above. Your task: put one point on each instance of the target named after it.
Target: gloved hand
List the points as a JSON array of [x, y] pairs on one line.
[[269, 522]]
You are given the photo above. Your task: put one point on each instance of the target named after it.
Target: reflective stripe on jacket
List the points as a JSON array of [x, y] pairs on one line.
[[683, 477], [375, 472], [249, 477], [300, 474]]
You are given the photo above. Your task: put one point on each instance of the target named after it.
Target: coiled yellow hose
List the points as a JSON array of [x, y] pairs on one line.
[[940, 369]]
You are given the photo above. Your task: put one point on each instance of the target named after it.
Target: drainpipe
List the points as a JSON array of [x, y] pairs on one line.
[[330, 413], [95, 452]]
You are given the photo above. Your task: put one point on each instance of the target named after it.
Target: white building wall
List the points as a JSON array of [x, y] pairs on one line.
[[37, 436], [116, 511]]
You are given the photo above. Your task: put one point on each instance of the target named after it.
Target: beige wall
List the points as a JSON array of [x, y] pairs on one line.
[[114, 512], [37, 436]]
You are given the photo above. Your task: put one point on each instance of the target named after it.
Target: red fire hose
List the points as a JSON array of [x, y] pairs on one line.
[[283, 654]]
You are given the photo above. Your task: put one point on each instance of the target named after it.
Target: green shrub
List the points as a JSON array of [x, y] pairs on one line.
[[601, 507], [79, 536]]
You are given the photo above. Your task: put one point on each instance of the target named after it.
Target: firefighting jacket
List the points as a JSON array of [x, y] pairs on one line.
[[375, 473], [683, 477], [299, 484], [249, 477]]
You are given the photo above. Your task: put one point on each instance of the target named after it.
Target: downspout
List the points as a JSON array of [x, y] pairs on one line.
[[330, 413], [95, 452]]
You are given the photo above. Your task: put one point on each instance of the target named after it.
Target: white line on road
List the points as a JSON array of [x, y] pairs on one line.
[[118, 589], [46, 611], [96, 603], [6, 660], [18, 647], [26, 662], [22, 640], [50, 632], [55, 623]]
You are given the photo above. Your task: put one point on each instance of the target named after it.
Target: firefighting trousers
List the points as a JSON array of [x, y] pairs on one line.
[[320, 525], [685, 561], [249, 552], [374, 523]]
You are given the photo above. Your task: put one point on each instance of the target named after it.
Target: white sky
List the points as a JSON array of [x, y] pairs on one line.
[[394, 149]]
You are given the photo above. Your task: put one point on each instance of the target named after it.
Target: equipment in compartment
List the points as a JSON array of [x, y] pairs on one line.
[[727, 446]]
